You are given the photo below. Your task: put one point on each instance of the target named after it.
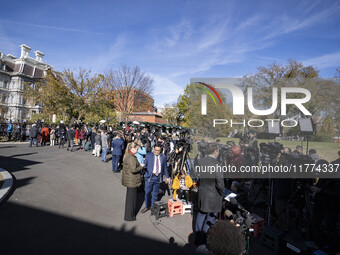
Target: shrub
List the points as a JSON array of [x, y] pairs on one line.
[[321, 138]]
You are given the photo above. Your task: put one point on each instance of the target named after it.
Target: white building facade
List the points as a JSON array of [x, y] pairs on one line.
[[14, 74]]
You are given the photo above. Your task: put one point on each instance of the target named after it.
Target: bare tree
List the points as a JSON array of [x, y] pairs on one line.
[[130, 88]]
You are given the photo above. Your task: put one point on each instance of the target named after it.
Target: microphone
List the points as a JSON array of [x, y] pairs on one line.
[[239, 206], [228, 214]]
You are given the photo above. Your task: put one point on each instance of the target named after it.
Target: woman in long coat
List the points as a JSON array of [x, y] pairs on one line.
[[131, 179], [44, 133]]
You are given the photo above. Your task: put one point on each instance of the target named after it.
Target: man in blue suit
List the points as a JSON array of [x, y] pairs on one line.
[[155, 164], [117, 151]]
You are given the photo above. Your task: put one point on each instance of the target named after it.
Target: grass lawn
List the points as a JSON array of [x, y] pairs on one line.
[[327, 151]]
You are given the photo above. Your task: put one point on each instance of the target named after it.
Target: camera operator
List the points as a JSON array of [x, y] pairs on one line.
[[224, 238], [251, 149], [237, 158], [313, 155], [210, 192], [230, 144], [298, 151], [283, 189], [202, 149]]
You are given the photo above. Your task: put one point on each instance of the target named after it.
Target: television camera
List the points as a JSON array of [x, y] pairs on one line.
[[270, 152]]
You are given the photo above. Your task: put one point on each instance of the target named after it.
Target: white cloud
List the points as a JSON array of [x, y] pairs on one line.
[[252, 21], [49, 27], [111, 56], [165, 90], [188, 48], [324, 61]]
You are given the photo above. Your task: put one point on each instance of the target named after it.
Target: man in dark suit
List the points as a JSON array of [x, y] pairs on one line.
[[210, 192], [156, 166], [117, 151]]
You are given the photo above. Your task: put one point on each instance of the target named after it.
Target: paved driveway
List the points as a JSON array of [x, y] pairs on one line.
[[72, 203]]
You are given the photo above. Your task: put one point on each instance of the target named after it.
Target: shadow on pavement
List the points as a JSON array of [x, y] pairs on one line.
[[12, 164], [23, 154], [23, 182], [26, 230], [6, 147]]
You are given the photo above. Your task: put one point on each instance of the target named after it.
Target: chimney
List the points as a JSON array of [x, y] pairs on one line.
[[25, 51], [39, 56]]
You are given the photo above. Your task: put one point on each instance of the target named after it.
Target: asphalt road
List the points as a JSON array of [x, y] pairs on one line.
[[72, 203]]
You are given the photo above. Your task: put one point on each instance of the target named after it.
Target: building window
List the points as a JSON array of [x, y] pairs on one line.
[[5, 84], [3, 99]]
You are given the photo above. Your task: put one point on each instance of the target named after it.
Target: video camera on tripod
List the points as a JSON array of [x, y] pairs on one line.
[[240, 216], [270, 152], [179, 156], [225, 155]]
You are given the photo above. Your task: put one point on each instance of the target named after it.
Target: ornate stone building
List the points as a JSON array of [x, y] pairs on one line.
[[14, 74]]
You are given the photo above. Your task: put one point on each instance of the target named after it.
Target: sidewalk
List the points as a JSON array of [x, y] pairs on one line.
[[6, 184], [12, 142]]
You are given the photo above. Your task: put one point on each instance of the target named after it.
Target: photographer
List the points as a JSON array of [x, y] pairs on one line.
[[298, 151], [237, 158], [251, 149], [210, 194], [182, 184], [313, 155]]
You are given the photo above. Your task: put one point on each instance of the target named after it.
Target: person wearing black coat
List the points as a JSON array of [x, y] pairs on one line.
[[210, 194]]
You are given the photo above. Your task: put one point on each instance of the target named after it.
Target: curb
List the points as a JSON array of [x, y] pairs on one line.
[[7, 185], [14, 143]]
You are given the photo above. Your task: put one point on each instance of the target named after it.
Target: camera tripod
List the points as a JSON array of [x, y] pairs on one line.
[[303, 214]]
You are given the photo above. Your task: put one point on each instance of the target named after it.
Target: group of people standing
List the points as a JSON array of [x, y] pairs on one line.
[[132, 154], [17, 132], [58, 135]]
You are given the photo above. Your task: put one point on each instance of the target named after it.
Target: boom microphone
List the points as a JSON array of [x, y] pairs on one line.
[[239, 206]]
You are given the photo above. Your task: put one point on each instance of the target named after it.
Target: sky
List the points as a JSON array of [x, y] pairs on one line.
[[174, 41]]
